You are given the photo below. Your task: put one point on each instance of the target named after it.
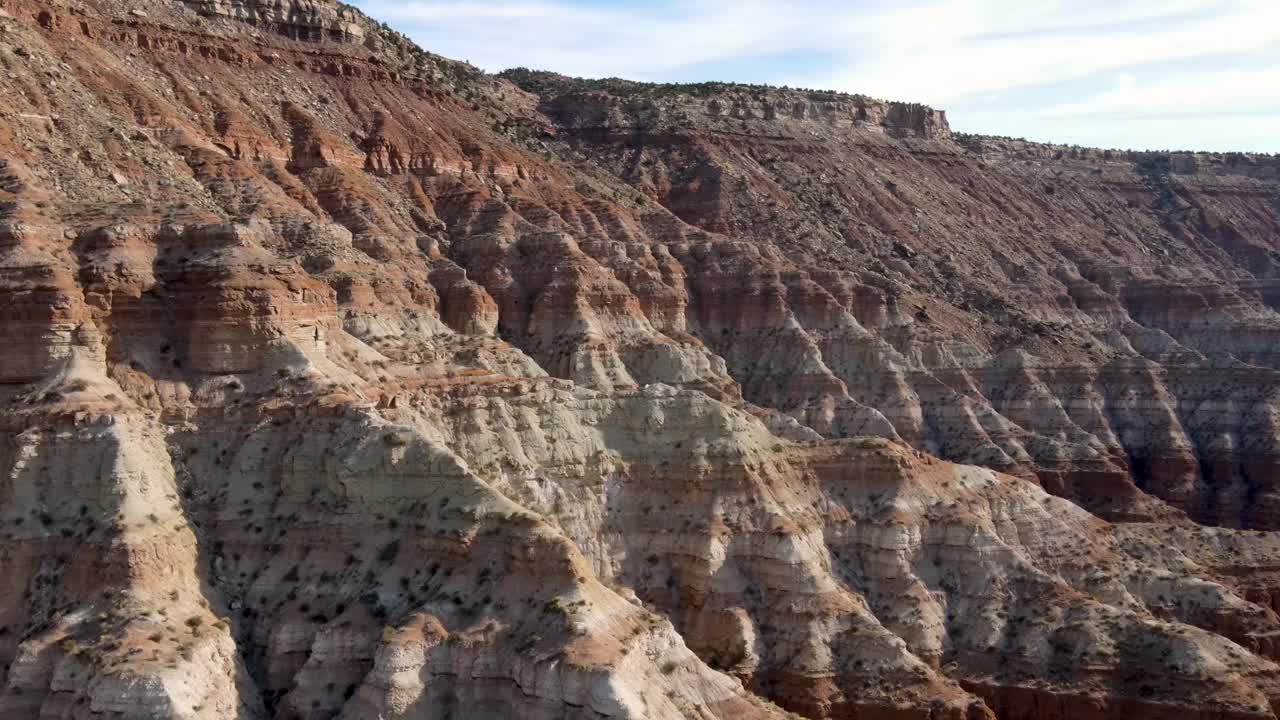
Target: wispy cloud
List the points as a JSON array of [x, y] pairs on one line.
[[1194, 93], [1029, 67], [996, 46], [650, 41]]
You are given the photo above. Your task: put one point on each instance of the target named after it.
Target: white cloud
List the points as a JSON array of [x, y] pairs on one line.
[[631, 41], [1192, 93], [975, 48], [1033, 58]]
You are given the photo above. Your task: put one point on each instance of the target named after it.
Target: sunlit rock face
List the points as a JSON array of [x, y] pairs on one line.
[[341, 380]]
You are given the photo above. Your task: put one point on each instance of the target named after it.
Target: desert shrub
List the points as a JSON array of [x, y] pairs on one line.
[[389, 551]]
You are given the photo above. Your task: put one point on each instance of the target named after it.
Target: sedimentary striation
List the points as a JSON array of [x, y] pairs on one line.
[[342, 380]]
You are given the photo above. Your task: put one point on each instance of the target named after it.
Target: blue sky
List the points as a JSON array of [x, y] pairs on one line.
[[1175, 74]]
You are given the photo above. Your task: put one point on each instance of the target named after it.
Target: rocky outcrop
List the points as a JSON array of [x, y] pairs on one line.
[[345, 381], [1080, 316], [306, 20], [616, 107]]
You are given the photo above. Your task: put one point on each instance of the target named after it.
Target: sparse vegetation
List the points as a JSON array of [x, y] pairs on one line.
[[389, 552]]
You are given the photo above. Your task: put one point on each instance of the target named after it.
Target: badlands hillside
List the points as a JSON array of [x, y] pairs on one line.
[[342, 380]]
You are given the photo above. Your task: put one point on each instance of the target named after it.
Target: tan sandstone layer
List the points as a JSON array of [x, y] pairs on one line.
[[341, 380]]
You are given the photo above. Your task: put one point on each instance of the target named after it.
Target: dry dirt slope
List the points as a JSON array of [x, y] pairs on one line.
[[341, 380]]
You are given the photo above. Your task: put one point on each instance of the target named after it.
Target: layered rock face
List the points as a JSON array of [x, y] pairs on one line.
[[1100, 321], [341, 380]]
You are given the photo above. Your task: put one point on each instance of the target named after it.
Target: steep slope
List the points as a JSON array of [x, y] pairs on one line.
[[345, 381], [1102, 321]]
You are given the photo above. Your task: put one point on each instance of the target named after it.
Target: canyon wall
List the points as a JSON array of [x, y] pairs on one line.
[[342, 380]]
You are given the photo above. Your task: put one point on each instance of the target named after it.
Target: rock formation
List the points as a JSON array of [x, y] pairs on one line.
[[342, 380]]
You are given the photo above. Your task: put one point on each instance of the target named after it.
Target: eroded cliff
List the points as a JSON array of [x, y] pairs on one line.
[[341, 380]]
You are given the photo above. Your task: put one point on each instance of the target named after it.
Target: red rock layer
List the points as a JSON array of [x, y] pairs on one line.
[[1100, 320], [345, 381]]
